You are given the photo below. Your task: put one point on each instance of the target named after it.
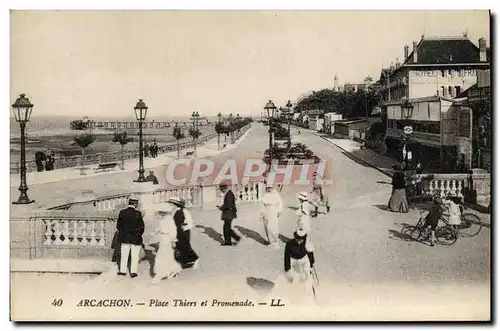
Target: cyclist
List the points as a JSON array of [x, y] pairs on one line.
[[432, 219]]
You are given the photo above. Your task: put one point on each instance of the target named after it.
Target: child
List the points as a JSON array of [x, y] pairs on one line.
[[432, 219], [453, 210]]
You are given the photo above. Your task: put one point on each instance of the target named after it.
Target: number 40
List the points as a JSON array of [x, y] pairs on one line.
[[57, 302]]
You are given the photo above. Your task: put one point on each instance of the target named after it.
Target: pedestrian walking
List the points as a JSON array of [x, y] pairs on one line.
[[155, 150], [318, 197], [184, 223], [165, 265], [398, 201], [303, 213], [299, 263], [272, 207], [152, 178], [146, 150], [130, 227], [229, 213]]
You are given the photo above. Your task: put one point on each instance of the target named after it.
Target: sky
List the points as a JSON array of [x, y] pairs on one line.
[[99, 63]]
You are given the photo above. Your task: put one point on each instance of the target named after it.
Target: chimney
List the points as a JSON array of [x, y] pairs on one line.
[[415, 55], [407, 50], [482, 50]]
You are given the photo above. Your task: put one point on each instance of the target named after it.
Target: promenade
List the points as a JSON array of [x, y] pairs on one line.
[[362, 263]]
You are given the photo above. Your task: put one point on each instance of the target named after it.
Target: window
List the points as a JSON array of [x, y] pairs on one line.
[[458, 90], [442, 73], [442, 91], [450, 91]]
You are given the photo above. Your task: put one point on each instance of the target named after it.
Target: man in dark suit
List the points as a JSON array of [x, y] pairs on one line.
[[130, 226], [228, 209]]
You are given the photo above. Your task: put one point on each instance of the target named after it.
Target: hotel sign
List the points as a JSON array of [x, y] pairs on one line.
[[479, 94]]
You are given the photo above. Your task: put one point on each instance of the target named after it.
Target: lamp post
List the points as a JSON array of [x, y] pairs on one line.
[[407, 112], [140, 114], [270, 109], [289, 107], [22, 112], [195, 117]]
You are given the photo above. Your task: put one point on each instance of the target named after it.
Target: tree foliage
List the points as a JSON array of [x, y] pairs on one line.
[[178, 133], [194, 133], [84, 140], [122, 138], [350, 104]]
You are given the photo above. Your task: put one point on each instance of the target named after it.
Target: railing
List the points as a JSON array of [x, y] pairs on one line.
[[192, 195], [89, 159], [250, 192], [432, 138]]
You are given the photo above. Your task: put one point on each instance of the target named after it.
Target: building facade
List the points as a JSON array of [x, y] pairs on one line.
[[431, 78]]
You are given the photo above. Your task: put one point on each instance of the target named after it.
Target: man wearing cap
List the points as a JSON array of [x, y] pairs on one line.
[[228, 214], [272, 207], [130, 226]]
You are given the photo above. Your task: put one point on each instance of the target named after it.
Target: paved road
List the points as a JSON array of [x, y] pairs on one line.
[[365, 269]]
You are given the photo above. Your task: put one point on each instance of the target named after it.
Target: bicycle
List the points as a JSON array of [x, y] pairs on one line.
[[445, 235], [470, 224]]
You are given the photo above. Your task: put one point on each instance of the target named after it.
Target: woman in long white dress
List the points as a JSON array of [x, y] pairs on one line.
[[165, 264], [272, 207]]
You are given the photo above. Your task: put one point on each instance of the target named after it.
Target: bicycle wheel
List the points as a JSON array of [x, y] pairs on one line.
[[470, 225], [446, 235], [411, 231]]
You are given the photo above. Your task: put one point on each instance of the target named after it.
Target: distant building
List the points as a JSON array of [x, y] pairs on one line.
[[315, 119], [329, 120]]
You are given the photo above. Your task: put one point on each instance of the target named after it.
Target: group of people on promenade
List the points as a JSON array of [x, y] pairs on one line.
[[173, 233], [151, 150], [398, 202]]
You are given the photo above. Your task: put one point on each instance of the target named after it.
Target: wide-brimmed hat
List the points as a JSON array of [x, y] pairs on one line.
[[224, 184], [177, 201], [303, 196], [163, 207], [133, 198], [300, 234]]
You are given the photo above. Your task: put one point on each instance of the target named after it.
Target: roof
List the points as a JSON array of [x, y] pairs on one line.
[[454, 50], [417, 100], [350, 121], [314, 112]]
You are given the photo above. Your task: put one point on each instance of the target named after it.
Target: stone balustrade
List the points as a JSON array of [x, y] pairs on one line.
[[458, 185], [63, 234]]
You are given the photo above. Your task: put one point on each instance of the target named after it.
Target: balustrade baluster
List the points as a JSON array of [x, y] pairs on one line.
[[460, 188], [57, 232], [73, 234], [453, 188], [65, 232], [48, 232], [84, 233], [93, 241]]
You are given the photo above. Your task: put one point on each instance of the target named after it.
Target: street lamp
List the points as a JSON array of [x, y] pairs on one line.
[[22, 112], [195, 117], [270, 109], [140, 114], [289, 107], [407, 112]]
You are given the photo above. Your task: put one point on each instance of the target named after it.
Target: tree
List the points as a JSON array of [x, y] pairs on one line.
[[122, 139], [195, 134], [178, 134], [219, 128], [83, 140]]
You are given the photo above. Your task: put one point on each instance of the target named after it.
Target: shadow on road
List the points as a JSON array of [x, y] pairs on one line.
[[383, 182], [398, 235], [382, 207], [293, 207], [252, 234], [211, 233], [260, 285]]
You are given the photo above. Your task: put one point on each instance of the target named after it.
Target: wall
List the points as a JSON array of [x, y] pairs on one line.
[[449, 124], [464, 145], [425, 83]]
